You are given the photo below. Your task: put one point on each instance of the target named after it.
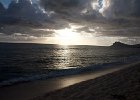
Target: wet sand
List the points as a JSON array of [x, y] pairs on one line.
[[29, 90], [120, 85]]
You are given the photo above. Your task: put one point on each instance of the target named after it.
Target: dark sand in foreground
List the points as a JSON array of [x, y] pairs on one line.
[[29, 90], [120, 85]]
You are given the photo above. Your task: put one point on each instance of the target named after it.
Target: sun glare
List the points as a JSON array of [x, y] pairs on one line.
[[67, 36]]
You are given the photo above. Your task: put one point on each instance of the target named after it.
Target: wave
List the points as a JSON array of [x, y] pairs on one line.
[[64, 72]]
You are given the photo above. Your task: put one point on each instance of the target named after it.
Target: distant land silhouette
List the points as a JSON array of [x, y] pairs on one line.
[[123, 45]]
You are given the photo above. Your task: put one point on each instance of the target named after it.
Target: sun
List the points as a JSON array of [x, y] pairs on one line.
[[67, 36]]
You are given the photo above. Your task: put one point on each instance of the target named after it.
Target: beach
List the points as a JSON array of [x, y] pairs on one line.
[[119, 85], [69, 49], [70, 88]]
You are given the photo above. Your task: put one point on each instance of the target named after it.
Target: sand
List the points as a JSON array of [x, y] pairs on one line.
[[70, 88], [120, 85]]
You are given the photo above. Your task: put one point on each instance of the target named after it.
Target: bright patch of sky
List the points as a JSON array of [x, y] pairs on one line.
[[5, 2]]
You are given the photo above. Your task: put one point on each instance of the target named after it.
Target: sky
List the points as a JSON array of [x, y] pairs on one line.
[[70, 22], [5, 2]]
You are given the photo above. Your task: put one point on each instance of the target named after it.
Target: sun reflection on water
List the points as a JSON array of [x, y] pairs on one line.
[[63, 58]]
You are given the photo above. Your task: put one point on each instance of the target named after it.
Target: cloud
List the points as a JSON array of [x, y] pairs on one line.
[[106, 7], [2, 9], [5, 3], [23, 11], [120, 8], [113, 17], [66, 7], [53, 4], [94, 9], [71, 10]]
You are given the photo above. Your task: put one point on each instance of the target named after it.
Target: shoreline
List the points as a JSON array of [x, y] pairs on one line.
[[123, 84], [29, 90], [63, 73]]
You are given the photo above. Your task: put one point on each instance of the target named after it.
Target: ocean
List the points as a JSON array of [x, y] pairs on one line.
[[30, 62]]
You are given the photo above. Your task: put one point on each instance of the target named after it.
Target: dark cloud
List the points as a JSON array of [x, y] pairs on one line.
[[53, 4], [120, 8], [102, 10], [73, 9], [22, 11], [69, 8], [136, 8], [2, 9], [114, 17]]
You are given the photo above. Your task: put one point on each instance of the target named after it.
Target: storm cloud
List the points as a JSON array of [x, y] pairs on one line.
[[22, 10], [108, 8], [120, 8], [61, 4], [71, 10], [118, 18]]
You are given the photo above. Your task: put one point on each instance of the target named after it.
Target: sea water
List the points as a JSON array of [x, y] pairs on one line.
[[28, 62]]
